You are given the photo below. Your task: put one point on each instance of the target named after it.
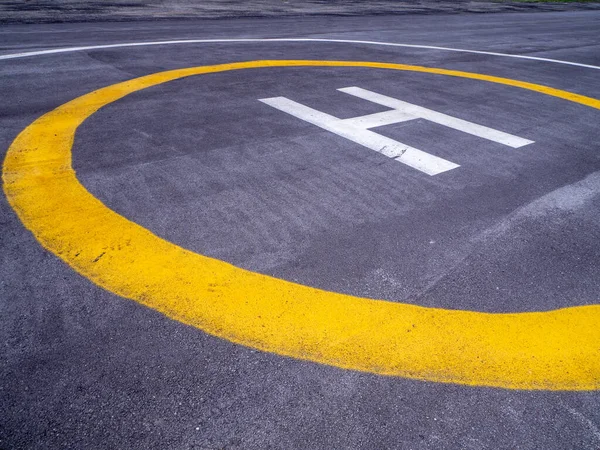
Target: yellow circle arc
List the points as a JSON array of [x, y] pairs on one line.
[[554, 350]]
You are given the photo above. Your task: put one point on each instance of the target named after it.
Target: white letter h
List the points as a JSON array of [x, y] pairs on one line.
[[357, 129]]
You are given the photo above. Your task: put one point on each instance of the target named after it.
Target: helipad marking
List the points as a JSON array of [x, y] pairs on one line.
[[558, 350], [354, 131], [442, 119], [357, 129]]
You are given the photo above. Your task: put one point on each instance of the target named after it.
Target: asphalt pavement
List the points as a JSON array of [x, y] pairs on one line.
[[68, 11], [202, 163]]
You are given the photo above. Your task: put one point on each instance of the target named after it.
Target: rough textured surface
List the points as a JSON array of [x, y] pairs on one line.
[[47, 11], [512, 230]]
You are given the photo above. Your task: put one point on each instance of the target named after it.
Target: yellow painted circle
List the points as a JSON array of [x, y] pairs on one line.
[[558, 350]]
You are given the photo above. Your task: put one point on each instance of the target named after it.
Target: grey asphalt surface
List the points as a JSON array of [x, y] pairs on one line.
[[202, 163], [65, 11]]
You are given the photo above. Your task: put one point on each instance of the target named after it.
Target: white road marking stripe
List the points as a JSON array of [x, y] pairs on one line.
[[380, 119], [239, 40], [439, 118], [413, 157]]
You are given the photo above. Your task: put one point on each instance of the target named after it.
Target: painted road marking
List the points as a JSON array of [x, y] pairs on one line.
[[442, 119], [356, 129], [555, 350], [54, 51]]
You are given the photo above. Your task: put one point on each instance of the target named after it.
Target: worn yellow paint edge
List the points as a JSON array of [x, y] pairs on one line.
[[554, 350]]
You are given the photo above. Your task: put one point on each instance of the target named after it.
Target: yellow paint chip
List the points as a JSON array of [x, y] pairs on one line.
[[557, 350]]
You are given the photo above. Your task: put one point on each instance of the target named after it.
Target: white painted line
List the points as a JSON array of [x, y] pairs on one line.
[[439, 118], [380, 119], [340, 41], [413, 157], [356, 129]]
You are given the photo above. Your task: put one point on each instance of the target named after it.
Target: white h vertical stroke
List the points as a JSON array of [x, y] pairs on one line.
[[357, 130]]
